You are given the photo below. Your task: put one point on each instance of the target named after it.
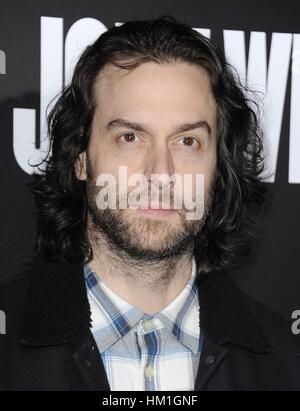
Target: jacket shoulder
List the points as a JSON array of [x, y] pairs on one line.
[[277, 328]]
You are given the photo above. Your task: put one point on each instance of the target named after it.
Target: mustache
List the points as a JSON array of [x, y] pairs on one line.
[[156, 198], [170, 204]]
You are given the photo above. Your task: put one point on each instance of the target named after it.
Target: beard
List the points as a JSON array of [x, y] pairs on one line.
[[144, 239]]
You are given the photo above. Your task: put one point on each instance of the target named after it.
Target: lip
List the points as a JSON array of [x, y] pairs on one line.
[[156, 212]]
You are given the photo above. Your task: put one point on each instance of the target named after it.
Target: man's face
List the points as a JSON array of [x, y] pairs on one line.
[[159, 98]]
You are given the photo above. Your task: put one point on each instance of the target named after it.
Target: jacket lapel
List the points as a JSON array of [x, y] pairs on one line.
[[57, 309], [90, 365], [225, 317]]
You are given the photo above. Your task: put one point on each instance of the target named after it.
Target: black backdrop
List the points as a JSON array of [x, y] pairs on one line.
[[271, 273]]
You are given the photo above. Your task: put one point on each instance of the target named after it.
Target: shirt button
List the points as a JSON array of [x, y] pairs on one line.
[[149, 372], [147, 324]]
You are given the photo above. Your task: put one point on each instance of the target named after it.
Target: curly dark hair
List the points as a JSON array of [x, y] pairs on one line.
[[60, 198]]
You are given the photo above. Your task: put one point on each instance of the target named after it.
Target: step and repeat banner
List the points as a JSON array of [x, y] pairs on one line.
[[40, 42]]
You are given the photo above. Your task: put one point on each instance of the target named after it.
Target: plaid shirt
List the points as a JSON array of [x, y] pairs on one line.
[[143, 352]]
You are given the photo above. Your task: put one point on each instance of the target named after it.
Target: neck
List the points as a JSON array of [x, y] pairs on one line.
[[147, 285]]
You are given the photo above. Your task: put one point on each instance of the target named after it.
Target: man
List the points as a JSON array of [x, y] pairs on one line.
[[141, 297]]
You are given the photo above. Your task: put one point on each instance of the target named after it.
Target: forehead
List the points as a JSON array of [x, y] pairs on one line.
[[155, 90]]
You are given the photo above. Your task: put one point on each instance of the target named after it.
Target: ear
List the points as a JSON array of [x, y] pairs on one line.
[[80, 166]]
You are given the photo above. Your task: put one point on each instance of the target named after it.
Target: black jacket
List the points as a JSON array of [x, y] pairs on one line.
[[48, 344]]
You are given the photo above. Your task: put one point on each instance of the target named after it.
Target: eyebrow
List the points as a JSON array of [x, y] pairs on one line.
[[119, 122]]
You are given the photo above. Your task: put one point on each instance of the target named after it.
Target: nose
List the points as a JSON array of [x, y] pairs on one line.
[[160, 166]]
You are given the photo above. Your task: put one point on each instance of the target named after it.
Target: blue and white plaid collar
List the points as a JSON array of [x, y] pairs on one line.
[[112, 317]]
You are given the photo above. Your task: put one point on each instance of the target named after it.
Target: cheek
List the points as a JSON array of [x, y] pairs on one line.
[[210, 162], [206, 167], [119, 171], [101, 159]]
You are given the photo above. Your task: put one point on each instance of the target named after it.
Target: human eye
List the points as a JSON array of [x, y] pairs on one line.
[[128, 138], [189, 142]]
